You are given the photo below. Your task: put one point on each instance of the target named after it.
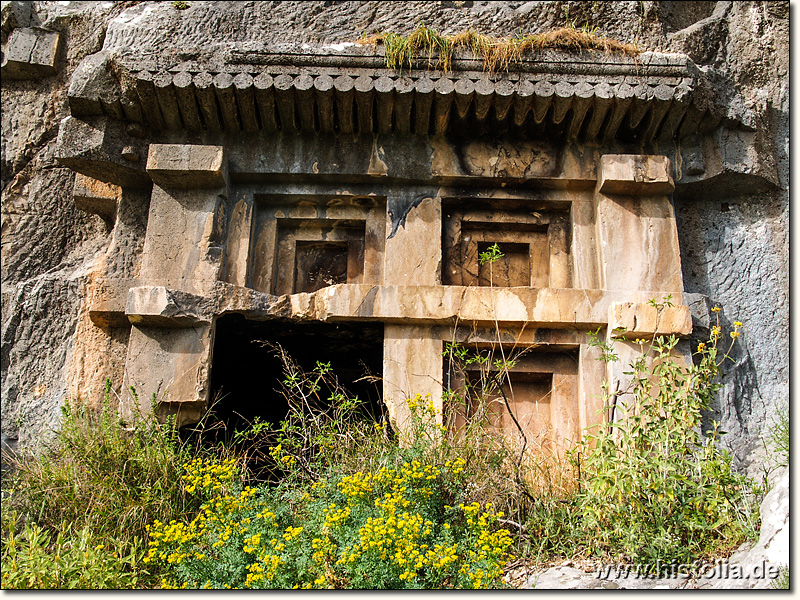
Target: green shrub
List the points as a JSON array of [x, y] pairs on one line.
[[653, 487], [779, 437]]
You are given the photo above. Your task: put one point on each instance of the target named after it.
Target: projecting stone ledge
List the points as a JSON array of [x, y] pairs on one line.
[[596, 97], [421, 305], [635, 175], [99, 148], [636, 320], [97, 197], [187, 166]]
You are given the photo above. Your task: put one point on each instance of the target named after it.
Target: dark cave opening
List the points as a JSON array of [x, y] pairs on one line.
[[247, 371]]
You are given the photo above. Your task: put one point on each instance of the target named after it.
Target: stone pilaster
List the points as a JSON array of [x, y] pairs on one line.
[[169, 353]]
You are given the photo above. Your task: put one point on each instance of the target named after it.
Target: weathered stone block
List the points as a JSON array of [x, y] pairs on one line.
[[187, 166], [635, 320], [183, 248], [169, 366], [636, 235], [635, 175], [107, 299], [93, 86], [97, 197], [406, 260], [95, 148], [159, 307], [31, 53]]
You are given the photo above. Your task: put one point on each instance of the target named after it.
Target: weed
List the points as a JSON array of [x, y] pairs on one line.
[[654, 488], [98, 476], [782, 582], [32, 559], [779, 437], [496, 53]]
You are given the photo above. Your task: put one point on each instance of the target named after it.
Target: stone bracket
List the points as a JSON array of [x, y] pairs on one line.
[[100, 148], [635, 175], [629, 320], [107, 302], [31, 53], [187, 166]]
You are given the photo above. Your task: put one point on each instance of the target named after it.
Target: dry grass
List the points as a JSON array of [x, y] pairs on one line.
[[496, 53]]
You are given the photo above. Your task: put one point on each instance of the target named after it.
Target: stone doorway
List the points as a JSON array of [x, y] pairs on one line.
[[247, 372]]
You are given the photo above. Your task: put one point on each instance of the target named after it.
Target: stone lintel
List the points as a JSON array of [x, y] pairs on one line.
[[95, 196], [629, 320], [31, 53], [564, 308], [555, 309], [558, 308], [187, 166], [635, 175], [156, 306]]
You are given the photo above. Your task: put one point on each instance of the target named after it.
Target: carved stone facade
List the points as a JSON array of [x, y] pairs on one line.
[[298, 190], [336, 191]]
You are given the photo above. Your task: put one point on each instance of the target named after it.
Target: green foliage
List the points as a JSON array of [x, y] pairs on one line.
[[406, 524], [99, 476], [653, 487], [180, 5], [779, 437], [491, 254], [73, 560]]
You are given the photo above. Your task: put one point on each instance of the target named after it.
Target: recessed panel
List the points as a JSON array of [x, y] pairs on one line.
[[536, 397], [319, 264], [508, 266], [306, 243], [533, 246]]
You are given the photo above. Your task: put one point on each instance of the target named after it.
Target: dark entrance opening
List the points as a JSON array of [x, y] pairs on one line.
[[246, 371]]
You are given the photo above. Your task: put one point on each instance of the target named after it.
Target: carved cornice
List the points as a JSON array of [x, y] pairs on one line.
[[347, 90]]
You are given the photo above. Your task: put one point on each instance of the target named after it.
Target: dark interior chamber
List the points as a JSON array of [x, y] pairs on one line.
[[247, 372]]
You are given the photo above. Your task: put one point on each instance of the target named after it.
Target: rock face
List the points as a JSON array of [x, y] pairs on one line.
[[172, 118]]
